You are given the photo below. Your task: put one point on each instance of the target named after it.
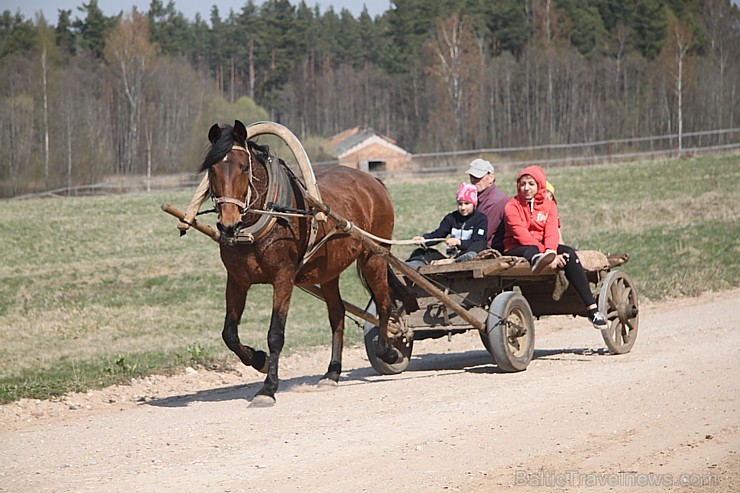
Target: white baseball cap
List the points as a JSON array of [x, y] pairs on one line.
[[479, 168]]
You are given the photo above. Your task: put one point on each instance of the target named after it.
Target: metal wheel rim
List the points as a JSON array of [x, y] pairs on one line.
[[517, 344]]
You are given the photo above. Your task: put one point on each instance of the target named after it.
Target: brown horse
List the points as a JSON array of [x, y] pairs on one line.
[[244, 178]]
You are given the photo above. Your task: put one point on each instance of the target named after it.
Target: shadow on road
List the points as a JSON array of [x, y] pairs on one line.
[[421, 366]]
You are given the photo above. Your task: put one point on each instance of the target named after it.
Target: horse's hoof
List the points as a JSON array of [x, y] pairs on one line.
[[327, 384], [262, 401]]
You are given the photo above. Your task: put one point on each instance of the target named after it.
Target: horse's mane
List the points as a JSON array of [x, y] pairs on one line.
[[223, 145]]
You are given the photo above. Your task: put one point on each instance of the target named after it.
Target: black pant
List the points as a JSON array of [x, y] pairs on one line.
[[573, 269]]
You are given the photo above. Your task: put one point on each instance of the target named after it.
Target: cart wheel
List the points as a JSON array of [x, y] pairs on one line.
[[486, 342], [510, 328], [403, 344], [618, 303]]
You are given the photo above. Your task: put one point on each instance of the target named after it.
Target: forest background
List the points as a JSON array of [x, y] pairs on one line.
[[134, 94]]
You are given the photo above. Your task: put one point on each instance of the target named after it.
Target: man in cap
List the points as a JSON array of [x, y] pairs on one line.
[[491, 201]]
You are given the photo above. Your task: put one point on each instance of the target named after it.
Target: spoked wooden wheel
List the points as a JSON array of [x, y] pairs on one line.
[[510, 328], [372, 340], [618, 303]]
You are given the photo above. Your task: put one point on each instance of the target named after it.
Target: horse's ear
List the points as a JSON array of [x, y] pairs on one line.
[[214, 133], [240, 132]]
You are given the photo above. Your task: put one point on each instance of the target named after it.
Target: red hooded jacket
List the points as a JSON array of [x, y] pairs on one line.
[[532, 222]]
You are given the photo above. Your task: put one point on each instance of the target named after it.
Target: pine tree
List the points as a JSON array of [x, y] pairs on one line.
[[94, 28], [65, 37], [650, 24]]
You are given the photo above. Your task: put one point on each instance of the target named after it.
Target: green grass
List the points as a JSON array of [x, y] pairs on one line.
[[95, 291]]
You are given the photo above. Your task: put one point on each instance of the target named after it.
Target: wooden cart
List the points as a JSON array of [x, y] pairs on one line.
[[503, 297]]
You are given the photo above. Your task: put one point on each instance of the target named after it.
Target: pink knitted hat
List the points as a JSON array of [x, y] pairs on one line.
[[468, 193]]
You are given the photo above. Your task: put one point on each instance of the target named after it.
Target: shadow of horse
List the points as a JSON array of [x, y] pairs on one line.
[[421, 366], [233, 392]]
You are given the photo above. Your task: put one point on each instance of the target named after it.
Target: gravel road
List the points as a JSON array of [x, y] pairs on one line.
[[664, 417]]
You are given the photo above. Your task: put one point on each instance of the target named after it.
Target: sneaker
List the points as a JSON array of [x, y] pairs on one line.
[[466, 257], [598, 320], [542, 260]]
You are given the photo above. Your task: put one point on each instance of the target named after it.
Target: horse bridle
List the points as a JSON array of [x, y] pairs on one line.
[[243, 206]]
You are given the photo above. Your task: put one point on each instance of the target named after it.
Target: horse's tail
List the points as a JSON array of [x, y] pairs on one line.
[[399, 291], [363, 281], [402, 292]]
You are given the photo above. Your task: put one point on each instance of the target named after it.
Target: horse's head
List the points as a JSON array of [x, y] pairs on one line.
[[229, 166]]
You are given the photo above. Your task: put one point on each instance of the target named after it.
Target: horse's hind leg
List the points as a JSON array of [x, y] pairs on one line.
[[335, 307], [375, 271], [236, 297]]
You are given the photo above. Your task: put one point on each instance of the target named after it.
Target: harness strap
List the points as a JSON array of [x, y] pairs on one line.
[[278, 190], [315, 248]]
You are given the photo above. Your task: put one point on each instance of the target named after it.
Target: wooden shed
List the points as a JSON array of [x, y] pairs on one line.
[[368, 150]]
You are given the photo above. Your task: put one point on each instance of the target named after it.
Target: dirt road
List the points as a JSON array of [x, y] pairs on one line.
[[664, 417]]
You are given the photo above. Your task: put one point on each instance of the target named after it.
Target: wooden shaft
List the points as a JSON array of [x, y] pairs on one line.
[[400, 265], [203, 228], [349, 307]]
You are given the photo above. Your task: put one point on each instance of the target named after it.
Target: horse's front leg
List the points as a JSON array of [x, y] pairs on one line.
[[335, 306], [236, 298], [281, 295]]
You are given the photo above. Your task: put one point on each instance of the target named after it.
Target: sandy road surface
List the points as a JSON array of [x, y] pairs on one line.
[[664, 417]]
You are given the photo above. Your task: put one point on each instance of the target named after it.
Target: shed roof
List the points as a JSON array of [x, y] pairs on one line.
[[355, 139]]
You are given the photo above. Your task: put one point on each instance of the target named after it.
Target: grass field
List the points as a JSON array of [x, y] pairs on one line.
[[99, 290]]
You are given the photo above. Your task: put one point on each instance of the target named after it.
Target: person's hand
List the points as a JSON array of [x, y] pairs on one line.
[[418, 239], [452, 242], [183, 227], [560, 261]]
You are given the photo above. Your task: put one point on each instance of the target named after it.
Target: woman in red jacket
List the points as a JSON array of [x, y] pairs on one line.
[[532, 232]]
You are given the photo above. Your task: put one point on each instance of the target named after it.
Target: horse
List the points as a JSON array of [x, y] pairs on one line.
[[277, 249]]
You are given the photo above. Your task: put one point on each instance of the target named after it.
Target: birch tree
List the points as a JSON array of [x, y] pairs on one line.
[[132, 57], [681, 41], [455, 77]]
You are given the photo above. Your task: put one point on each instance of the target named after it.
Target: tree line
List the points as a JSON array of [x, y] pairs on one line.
[[135, 93]]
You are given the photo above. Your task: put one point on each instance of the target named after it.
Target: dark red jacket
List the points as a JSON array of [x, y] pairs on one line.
[[532, 222], [491, 202]]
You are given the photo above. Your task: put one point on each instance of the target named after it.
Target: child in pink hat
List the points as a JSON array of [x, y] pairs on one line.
[[463, 230]]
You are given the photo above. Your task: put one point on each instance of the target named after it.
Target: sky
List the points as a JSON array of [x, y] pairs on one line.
[[189, 8]]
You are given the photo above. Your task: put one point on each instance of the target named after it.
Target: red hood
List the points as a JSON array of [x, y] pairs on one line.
[[539, 176]]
